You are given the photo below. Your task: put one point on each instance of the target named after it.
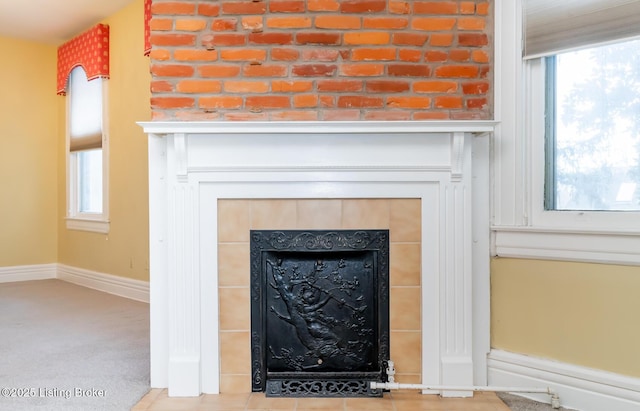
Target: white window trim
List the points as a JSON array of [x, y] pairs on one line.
[[93, 222], [521, 228]]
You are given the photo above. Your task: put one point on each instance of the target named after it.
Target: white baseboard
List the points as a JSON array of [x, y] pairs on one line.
[[28, 273], [579, 388], [112, 284], [124, 287]]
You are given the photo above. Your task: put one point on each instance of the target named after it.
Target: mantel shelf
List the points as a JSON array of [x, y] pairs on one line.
[[318, 127]]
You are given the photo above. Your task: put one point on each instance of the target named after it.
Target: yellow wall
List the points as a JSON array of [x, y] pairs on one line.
[[124, 251], [28, 143], [577, 313]]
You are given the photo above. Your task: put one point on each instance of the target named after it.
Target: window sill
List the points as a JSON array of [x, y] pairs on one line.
[[82, 224], [567, 244]]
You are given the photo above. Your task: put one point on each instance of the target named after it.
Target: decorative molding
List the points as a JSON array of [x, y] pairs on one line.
[[27, 273], [457, 156], [121, 286], [365, 168], [184, 298], [578, 387], [95, 226], [567, 245], [317, 127], [158, 262], [457, 358], [180, 147]]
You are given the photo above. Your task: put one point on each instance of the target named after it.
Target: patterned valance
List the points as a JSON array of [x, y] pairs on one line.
[[89, 50]]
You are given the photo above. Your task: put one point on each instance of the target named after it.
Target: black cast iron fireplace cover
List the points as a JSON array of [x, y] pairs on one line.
[[319, 312]]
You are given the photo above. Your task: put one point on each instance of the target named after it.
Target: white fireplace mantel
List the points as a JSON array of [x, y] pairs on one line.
[[194, 164]]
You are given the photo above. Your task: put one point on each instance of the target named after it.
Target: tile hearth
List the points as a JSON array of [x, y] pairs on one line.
[[158, 400]]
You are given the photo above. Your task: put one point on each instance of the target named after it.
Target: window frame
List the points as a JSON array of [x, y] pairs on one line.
[[76, 219], [551, 65], [521, 226], [576, 220]]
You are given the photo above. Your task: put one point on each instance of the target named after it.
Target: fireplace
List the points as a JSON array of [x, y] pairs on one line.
[[200, 333], [401, 217], [319, 312]]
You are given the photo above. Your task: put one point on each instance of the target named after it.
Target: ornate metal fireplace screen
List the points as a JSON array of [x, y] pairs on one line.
[[319, 312]]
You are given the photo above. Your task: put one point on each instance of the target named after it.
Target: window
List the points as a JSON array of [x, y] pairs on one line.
[[593, 128], [565, 186], [87, 174]]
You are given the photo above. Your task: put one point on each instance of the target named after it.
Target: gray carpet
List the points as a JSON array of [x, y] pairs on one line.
[[518, 403], [66, 347]]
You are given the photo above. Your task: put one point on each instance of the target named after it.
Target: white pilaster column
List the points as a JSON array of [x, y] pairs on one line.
[[456, 291], [158, 261], [183, 276]]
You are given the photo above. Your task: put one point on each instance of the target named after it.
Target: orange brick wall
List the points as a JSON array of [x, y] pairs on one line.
[[321, 59]]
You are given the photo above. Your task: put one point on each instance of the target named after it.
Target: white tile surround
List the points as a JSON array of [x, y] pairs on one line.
[[194, 164]]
